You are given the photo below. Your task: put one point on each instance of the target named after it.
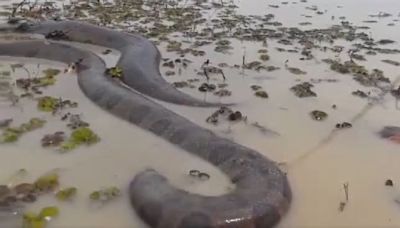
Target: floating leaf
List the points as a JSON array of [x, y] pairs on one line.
[[11, 134], [47, 182], [32, 220], [49, 212], [66, 194], [105, 194], [47, 104], [9, 137], [95, 195], [82, 135], [318, 115], [46, 81]]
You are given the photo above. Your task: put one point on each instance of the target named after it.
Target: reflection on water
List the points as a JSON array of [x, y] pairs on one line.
[[318, 160]]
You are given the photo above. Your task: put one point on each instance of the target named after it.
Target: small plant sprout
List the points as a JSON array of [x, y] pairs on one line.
[[342, 204]]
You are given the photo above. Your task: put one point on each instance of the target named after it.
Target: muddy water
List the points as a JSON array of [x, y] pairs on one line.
[[317, 168]]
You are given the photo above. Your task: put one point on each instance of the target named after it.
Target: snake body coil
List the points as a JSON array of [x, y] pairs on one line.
[[262, 194]]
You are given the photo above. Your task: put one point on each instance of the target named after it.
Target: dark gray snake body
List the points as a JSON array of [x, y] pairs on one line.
[[140, 59], [262, 194]]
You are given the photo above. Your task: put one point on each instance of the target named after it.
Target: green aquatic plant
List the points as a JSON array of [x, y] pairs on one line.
[[115, 72], [50, 72], [105, 194], [52, 104], [12, 134], [33, 220], [47, 104], [66, 194], [47, 182], [80, 136], [46, 81]]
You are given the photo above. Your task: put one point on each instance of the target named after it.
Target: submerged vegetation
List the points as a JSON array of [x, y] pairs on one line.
[[115, 72], [80, 136], [33, 220], [12, 134], [188, 30], [105, 194]]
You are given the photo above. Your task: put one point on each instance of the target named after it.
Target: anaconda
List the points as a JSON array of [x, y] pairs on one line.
[[262, 194]]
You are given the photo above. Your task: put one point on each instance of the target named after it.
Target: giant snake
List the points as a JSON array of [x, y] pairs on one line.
[[262, 194]]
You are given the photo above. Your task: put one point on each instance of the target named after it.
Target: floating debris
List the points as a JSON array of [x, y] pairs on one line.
[[396, 93], [272, 68], [391, 62], [385, 41], [235, 116], [226, 113], [205, 87], [255, 87], [34, 83], [344, 125], [199, 175], [181, 84], [170, 73], [391, 133], [318, 115], [75, 121], [370, 21], [263, 129], [261, 93], [174, 46], [106, 52], [296, 71], [5, 123], [389, 183], [169, 64], [360, 73], [223, 93], [305, 23], [57, 35], [264, 57], [303, 90], [359, 93], [223, 46], [358, 57], [53, 139]]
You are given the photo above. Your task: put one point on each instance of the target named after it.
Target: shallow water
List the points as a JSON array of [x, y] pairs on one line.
[[316, 170]]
